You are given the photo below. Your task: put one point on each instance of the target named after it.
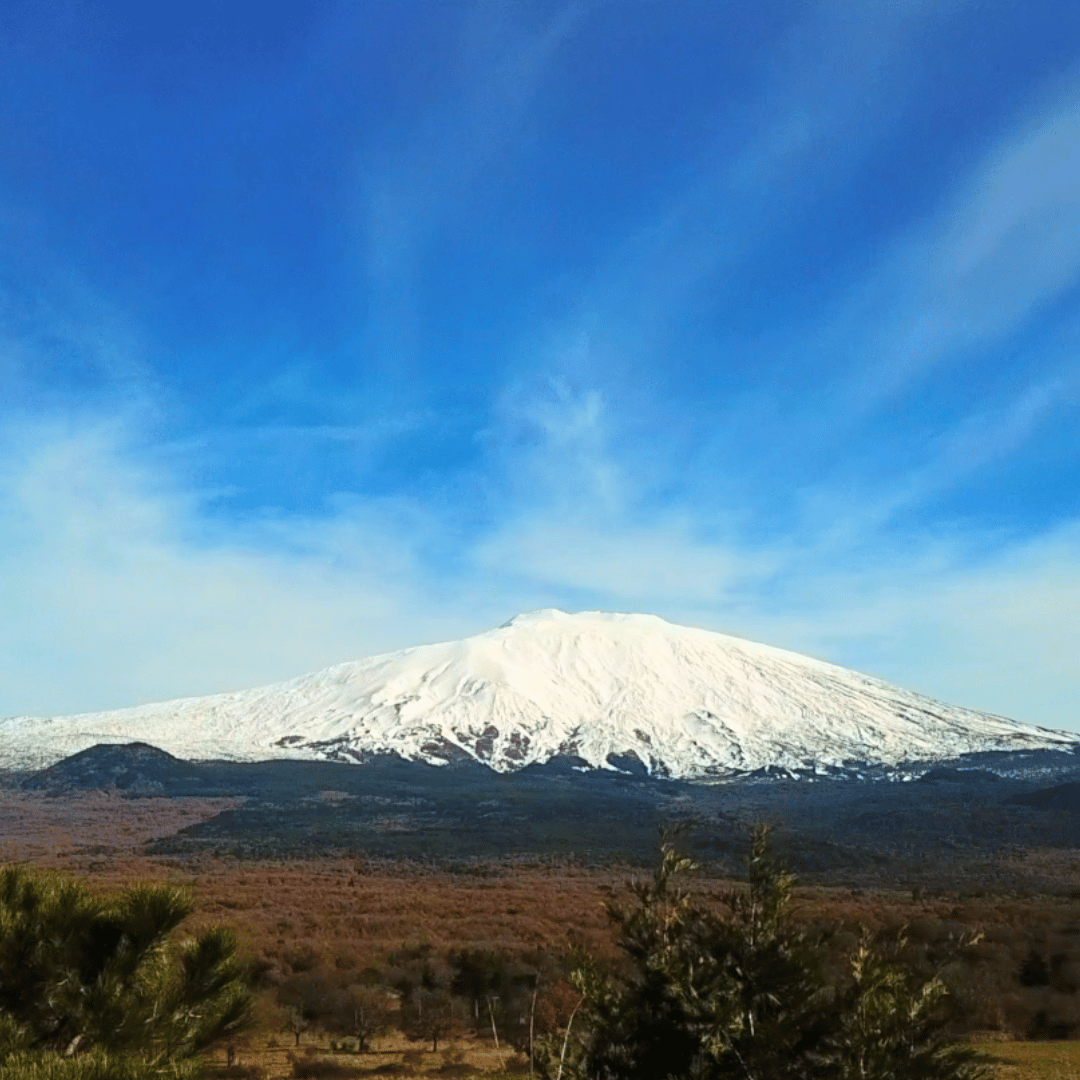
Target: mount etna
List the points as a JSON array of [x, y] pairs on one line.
[[685, 703], [578, 736]]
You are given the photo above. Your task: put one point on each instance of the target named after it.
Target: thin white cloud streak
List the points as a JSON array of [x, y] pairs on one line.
[[833, 89], [616, 563], [577, 522], [840, 513], [819, 115], [428, 180], [1000, 252], [986, 267], [60, 342], [552, 442]]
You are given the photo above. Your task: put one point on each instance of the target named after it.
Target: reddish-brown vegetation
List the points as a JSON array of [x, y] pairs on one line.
[[344, 921]]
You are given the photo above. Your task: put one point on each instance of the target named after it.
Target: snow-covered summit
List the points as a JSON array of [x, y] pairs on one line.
[[687, 702]]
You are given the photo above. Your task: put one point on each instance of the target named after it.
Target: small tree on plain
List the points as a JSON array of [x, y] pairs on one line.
[[430, 1015], [361, 1011], [304, 1000]]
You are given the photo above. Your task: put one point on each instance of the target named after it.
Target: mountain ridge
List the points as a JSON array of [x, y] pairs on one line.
[[688, 703]]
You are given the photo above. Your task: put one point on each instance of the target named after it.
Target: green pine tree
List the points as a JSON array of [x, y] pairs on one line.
[[83, 974], [747, 994]]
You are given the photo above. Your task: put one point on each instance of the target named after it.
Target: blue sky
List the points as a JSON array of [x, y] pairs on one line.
[[329, 329]]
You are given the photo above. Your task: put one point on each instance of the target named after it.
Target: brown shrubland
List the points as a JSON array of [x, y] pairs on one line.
[[345, 921]]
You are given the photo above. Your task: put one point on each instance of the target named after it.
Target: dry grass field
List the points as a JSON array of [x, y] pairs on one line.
[[1035, 1060], [389, 1056], [395, 1056]]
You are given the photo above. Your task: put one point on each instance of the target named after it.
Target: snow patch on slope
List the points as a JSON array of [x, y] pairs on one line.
[[687, 702]]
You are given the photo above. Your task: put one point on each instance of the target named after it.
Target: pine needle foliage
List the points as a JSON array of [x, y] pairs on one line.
[[80, 973], [744, 993]]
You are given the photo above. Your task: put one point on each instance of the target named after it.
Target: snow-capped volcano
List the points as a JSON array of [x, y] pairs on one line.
[[687, 702]]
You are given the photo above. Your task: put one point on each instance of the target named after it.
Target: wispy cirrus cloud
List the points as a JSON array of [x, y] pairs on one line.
[[116, 591], [438, 169], [62, 346], [997, 256], [830, 91]]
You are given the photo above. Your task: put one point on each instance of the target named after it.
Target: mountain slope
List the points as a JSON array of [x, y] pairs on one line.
[[687, 702]]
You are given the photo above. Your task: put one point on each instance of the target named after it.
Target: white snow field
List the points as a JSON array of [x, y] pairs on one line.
[[690, 703]]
